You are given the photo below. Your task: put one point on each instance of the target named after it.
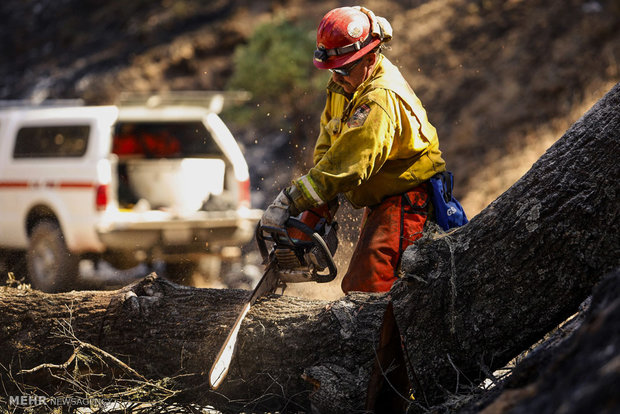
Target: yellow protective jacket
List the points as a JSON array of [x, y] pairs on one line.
[[372, 145]]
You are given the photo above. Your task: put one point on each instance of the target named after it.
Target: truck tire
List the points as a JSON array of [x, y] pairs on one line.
[[51, 267]]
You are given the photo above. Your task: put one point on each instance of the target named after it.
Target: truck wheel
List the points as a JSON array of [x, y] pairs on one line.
[[51, 267]]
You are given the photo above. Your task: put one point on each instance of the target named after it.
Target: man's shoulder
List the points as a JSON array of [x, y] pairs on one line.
[[390, 84], [388, 76], [385, 98]]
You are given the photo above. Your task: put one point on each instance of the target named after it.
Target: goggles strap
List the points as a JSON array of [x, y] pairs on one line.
[[323, 54]]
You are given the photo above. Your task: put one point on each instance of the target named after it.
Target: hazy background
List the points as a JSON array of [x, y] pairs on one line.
[[501, 80]]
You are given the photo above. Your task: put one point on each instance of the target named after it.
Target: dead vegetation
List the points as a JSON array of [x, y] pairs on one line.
[[91, 378]]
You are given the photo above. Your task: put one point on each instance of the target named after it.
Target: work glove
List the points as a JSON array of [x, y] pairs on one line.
[[279, 211]]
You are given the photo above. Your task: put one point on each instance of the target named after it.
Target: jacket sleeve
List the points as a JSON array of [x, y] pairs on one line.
[[359, 152], [323, 142]]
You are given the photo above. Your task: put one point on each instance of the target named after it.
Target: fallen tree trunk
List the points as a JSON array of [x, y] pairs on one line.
[[163, 330], [468, 302], [474, 299]]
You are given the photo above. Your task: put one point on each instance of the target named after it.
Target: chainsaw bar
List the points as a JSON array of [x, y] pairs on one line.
[[267, 284], [284, 265]]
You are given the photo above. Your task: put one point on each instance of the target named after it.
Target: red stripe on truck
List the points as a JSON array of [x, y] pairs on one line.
[[13, 184], [49, 184], [69, 184]]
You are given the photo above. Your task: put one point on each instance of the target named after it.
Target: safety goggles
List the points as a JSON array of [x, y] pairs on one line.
[[346, 69]]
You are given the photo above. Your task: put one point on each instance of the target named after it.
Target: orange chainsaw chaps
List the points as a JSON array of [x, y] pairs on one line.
[[387, 230]]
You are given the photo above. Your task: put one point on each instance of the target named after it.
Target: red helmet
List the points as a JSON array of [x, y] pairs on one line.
[[346, 34]]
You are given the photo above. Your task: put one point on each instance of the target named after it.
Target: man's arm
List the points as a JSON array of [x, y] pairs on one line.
[[359, 152], [323, 142]]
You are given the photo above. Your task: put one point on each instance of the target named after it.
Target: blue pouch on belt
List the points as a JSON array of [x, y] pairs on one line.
[[448, 211]]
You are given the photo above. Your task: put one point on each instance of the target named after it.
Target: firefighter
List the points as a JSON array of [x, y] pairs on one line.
[[375, 146]]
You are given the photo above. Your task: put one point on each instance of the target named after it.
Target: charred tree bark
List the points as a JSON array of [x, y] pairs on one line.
[[576, 370], [468, 302], [473, 299]]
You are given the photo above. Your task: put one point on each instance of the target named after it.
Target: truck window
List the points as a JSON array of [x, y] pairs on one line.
[[164, 140], [51, 141]]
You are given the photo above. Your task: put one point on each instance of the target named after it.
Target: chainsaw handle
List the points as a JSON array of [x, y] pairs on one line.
[[271, 232], [280, 235], [260, 241], [333, 271], [317, 241]]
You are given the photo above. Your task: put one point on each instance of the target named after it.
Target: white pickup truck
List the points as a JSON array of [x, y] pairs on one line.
[[152, 178]]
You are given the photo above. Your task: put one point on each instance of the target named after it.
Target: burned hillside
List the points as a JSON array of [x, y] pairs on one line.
[[500, 80]]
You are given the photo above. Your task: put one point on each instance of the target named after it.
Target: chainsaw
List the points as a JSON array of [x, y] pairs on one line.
[[305, 255]]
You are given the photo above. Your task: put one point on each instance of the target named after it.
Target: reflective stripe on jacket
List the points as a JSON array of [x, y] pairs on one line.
[[372, 145]]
